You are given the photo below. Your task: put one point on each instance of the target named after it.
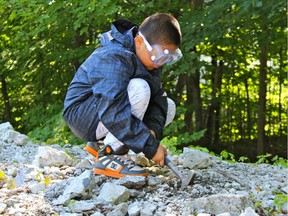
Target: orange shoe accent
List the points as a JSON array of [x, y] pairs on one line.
[[91, 151], [108, 150], [115, 174]]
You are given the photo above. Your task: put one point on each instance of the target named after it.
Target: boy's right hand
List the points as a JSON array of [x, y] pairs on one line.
[[159, 156]]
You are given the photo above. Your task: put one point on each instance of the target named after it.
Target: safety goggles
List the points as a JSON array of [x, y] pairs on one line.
[[159, 56]]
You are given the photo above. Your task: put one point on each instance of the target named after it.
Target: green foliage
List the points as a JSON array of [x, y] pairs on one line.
[[276, 160], [263, 159], [171, 144], [279, 161], [54, 130], [203, 149], [42, 43], [243, 159], [225, 155], [280, 200]]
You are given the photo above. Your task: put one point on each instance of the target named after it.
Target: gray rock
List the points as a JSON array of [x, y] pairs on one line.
[[120, 210], [148, 210], [284, 208], [134, 210], [2, 207], [48, 156], [37, 187], [222, 203], [80, 187], [113, 194], [200, 163], [132, 181], [84, 164], [97, 214], [21, 139], [80, 206], [154, 181], [248, 212], [194, 159], [5, 126]]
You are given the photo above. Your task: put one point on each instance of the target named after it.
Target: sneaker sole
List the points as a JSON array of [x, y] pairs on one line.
[[116, 174], [91, 150]]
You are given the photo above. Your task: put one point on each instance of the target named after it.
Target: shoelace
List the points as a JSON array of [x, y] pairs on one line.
[[129, 163]]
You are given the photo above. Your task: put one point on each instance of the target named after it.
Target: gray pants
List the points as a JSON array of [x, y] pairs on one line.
[[139, 97]]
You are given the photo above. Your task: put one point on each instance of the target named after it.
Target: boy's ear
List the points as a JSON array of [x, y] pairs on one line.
[[138, 41]]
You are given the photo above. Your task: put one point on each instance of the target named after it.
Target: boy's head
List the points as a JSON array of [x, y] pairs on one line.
[[158, 40]]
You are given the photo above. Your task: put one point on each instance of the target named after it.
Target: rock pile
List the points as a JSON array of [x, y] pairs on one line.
[[37, 179]]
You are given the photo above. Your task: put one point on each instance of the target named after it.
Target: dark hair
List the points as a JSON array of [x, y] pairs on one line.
[[161, 28]]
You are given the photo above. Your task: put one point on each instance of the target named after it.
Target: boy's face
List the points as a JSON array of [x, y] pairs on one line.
[[145, 55]]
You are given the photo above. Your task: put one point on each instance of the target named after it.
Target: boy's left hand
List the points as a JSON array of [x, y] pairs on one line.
[[159, 156]]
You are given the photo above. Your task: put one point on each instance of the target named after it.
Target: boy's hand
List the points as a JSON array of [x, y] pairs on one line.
[[159, 156]]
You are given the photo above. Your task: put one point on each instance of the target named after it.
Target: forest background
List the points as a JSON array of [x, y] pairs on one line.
[[230, 87]]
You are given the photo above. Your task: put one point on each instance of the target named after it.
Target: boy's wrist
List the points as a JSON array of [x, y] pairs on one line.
[[150, 148]]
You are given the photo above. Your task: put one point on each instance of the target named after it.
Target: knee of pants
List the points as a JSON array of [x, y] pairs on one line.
[[138, 87], [139, 94], [171, 111]]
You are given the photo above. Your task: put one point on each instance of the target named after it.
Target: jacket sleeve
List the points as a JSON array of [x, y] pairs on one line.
[[109, 83], [155, 116]]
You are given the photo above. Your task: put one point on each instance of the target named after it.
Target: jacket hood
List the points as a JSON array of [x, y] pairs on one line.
[[123, 31]]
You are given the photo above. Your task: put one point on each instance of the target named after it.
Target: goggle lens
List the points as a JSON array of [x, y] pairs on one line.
[[161, 57]]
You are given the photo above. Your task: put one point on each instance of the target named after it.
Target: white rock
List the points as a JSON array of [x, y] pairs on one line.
[[248, 212], [37, 187], [21, 140], [120, 210], [48, 156], [134, 210], [120, 194], [221, 203], [79, 187], [80, 206], [3, 206]]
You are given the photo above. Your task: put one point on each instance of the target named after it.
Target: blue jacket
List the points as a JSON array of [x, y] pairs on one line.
[[98, 92]]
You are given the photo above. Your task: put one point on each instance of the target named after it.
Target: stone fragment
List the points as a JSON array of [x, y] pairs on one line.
[[201, 163], [80, 206], [98, 214], [37, 187], [21, 139], [221, 203], [120, 210], [84, 164], [48, 156], [5, 126], [135, 182], [113, 194], [248, 212], [3, 206], [80, 187], [134, 210], [195, 159], [154, 181], [148, 210]]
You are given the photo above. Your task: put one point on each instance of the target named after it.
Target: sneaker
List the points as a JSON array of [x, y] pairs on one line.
[[93, 148], [117, 166]]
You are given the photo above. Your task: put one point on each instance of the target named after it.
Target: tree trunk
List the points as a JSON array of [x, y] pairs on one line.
[[248, 110], [262, 101], [7, 108], [196, 4], [281, 80], [196, 99], [212, 134], [189, 105]]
